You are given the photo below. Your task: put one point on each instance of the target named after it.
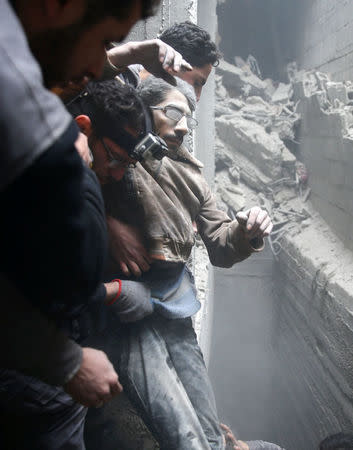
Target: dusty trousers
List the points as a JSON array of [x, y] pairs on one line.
[[163, 373], [37, 416]]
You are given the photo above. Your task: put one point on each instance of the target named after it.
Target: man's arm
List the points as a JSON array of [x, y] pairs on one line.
[[33, 345], [157, 57], [231, 241]]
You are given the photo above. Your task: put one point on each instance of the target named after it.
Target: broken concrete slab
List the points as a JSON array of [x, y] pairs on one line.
[[282, 94], [234, 200], [253, 141], [337, 91], [239, 82]]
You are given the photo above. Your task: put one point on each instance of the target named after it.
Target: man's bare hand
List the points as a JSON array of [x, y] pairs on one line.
[[96, 381], [230, 440], [127, 247], [157, 57], [255, 222]]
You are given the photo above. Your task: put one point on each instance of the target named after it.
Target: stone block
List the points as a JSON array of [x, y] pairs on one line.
[[251, 140], [282, 94], [239, 82], [337, 91], [234, 200]]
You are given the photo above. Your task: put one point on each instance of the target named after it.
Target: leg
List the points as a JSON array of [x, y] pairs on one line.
[[189, 364], [151, 382], [37, 416]]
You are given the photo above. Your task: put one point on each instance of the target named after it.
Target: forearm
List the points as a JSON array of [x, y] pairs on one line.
[[124, 55], [225, 240], [31, 344]]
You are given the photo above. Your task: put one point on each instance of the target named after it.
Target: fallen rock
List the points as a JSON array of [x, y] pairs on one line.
[[239, 82], [336, 91], [251, 139], [282, 94]]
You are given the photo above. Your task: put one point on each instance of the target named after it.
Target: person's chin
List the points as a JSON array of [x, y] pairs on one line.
[[173, 144]]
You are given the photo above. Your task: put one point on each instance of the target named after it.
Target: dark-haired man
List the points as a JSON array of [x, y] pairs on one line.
[[196, 44], [47, 228], [159, 357], [187, 38], [114, 120]]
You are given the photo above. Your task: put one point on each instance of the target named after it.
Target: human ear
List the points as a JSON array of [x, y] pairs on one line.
[[85, 125]]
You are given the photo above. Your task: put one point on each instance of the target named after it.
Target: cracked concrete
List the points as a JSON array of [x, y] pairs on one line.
[[289, 148]]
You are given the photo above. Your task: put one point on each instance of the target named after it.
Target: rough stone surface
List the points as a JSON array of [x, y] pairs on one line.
[[292, 153], [238, 81]]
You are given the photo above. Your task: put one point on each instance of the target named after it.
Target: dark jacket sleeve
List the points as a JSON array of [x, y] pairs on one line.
[[53, 231], [32, 344]]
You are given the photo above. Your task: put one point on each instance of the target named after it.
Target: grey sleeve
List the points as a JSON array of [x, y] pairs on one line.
[[31, 344], [263, 445]]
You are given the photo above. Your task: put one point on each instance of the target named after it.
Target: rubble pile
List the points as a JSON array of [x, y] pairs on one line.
[[257, 148]]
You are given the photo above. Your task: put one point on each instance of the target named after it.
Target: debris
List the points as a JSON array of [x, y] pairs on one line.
[[239, 82], [282, 94]]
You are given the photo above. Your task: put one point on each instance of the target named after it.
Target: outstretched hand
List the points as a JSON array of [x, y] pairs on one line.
[[255, 222]]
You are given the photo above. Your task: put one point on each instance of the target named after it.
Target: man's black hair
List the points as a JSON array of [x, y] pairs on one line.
[[193, 43], [111, 106], [120, 9]]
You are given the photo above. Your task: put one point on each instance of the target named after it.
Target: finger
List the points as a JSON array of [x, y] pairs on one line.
[[242, 218], [268, 230], [124, 268], [177, 61], [116, 388], [144, 265], [135, 269], [265, 224], [252, 216], [185, 66], [261, 217], [168, 58]]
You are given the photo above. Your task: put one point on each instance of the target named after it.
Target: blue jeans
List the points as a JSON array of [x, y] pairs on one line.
[[37, 416], [163, 373]]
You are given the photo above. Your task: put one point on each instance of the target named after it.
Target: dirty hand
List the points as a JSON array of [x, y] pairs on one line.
[[230, 440], [81, 145], [157, 57], [134, 302], [96, 381], [127, 247], [255, 222]]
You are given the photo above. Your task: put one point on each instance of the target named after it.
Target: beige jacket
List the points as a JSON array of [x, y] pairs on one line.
[[164, 198]]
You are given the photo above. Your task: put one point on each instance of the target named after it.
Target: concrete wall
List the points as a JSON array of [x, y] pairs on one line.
[[312, 339], [328, 154], [325, 37], [170, 11]]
